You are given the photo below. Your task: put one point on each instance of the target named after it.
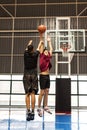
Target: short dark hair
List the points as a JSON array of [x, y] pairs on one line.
[[30, 48], [45, 49]]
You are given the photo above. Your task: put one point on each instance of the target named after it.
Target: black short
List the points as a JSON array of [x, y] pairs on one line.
[[44, 81], [30, 82]]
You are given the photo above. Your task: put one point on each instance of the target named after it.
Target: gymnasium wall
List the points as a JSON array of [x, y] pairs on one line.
[[19, 20], [18, 24]]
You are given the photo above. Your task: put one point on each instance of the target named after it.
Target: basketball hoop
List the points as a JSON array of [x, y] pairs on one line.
[[65, 49]]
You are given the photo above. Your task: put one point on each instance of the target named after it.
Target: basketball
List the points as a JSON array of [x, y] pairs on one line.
[[41, 28]]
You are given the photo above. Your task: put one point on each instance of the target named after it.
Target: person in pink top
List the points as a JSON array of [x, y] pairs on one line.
[[45, 66]]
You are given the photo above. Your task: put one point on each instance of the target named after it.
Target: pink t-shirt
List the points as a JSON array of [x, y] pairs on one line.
[[45, 62]]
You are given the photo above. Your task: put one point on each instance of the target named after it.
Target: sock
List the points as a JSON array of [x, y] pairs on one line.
[[28, 110], [32, 110]]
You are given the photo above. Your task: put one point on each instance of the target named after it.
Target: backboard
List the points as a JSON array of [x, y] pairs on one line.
[[71, 40]]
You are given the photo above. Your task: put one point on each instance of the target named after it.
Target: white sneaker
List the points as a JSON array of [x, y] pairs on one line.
[[47, 110], [40, 112]]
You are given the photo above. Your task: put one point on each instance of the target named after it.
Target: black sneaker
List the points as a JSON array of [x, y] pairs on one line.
[[28, 118], [32, 116]]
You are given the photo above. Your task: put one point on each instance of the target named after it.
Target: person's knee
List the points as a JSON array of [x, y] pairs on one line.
[[42, 92], [46, 91]]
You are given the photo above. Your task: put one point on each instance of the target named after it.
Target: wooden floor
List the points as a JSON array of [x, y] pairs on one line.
[[15, 119]]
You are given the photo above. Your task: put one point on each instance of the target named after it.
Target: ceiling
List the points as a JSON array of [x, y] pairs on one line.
[[41, 8]]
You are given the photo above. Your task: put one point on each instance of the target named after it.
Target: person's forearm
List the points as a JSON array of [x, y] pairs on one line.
[[40, 46], [41, 36], [50, 46], [30, 42]]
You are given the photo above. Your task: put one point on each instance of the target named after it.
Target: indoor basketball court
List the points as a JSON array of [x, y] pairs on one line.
[[64, 22]]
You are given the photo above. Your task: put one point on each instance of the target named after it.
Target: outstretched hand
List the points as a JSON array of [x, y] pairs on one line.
[[49, 39]]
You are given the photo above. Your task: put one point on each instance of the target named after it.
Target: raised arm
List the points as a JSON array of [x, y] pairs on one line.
[[41, 44], [50, 45], [30, 42]]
